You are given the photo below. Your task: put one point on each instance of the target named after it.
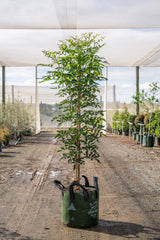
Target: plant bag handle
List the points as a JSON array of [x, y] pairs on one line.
[[86, 181], [95, 179], [59, 185], [71, 192]]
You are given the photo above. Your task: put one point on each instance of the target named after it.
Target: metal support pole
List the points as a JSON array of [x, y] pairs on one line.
[[122, 130], [3, 85], [37, 112], [137, 87], [130, 124], [105, 103], [141, 132], [114, 96], [12, 93]]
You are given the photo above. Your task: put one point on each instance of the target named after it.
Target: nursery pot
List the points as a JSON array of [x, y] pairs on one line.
[[139, 137], [125, 133], [157, 141], [148, 141], [134, 135], [80, 208]]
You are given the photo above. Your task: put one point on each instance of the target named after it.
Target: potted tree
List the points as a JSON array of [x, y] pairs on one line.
[[76, 71], [148, 100]]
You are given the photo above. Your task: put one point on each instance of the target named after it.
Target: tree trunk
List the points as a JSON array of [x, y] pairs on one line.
[[77, 173]]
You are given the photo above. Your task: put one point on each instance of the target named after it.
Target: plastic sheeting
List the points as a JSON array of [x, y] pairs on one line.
[[124, 47], [79, 14], [131, 29]]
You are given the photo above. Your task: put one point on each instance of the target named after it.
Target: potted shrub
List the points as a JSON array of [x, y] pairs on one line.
[[157, 134], [115, 122], [155, 126], [124, 118], [132, 120], [5, 136], [77, 70], [1, 138], [139, 120]]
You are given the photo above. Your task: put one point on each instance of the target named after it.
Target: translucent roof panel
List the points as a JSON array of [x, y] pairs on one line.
[[131, 29], [124, 47], [79, 14]]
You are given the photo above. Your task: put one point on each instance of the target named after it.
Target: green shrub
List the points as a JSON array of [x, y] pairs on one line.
[[5, 134], [124, 117], [17, 116], [115, 118], [131, 119], [157, 131]]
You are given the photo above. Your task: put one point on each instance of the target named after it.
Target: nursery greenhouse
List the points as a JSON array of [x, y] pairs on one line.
[[125, 110], [131, 42]]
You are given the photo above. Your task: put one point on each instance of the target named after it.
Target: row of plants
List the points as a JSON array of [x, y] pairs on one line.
[[149, 126], [15, 119], [146, 123]]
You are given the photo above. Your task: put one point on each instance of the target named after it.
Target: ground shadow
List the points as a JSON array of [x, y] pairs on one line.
[[6, 234], [11, 152], [125, 229], [6, 156]]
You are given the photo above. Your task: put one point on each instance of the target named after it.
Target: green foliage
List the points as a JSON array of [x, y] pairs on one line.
[[148, 100], [155, 123], [77, 70], [124, 117], [5, 134], [157, 131], [131, 119], [121, 117], [17, 116], [115, 118]]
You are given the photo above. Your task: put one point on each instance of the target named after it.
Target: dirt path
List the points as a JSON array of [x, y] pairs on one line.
[[129, 181]]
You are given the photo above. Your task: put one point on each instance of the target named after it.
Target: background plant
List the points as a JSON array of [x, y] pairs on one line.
[[115, 118], [77, 70], [139, 119], [155, 123], [131, 119], [148, 100], [17, 116], [124, 117]]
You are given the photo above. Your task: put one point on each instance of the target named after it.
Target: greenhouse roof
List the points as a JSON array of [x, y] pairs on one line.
[[131, 29]]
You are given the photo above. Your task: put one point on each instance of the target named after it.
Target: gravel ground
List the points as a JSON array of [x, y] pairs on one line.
[[129, 182]]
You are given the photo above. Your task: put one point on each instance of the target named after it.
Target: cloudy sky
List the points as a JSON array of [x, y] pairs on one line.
[[123, 77]]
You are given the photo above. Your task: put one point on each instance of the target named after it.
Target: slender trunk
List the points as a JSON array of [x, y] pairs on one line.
[[77, 173], [149, 124]]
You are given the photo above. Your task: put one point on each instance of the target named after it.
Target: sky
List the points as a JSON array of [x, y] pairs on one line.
[[124, 78]]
